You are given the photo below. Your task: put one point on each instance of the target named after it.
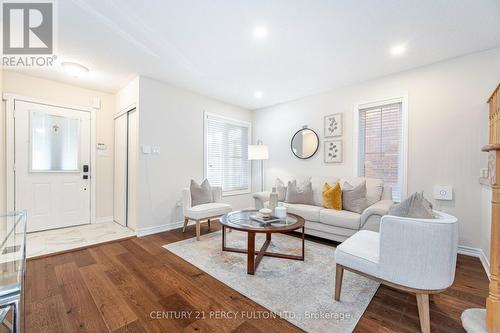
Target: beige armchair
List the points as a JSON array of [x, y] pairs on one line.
[[203, 212]]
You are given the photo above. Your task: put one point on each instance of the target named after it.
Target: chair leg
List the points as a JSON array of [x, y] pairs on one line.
[[423, 312], [339, 273], [186, 220], [208, 224], [197, 230]]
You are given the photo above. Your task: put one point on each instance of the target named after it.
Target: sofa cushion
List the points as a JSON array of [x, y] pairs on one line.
[[299, 195], [416, 206], [208, 210], [340, 218], [374, 187], [354, 198], [332, 196], [317, 184], [308, 212], [360, 252]]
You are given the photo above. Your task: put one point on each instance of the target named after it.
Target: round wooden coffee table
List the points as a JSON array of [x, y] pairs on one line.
[[241, 221]]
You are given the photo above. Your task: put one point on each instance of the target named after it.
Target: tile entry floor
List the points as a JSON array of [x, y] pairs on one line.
[[51, 241]]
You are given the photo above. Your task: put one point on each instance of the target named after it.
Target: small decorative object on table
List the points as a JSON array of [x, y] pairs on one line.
[[264, 219], [273, 199], [280, 212], [266, 212]]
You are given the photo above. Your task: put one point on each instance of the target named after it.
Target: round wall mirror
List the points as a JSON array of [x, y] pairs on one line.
[[305, 143]]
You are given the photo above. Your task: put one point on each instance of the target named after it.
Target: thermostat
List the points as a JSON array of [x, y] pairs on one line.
[[443, 192]]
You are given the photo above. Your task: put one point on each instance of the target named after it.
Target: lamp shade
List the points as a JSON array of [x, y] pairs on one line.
[[258, 152]]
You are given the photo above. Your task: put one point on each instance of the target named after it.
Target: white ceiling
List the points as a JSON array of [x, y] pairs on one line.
[[313, 45]]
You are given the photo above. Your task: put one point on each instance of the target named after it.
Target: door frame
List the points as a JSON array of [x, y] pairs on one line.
[[10, 100]]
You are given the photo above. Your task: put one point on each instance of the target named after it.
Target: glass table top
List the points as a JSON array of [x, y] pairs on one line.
[[242, 220], [12, 252]]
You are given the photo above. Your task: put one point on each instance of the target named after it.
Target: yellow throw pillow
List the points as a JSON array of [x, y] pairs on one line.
[[332, 196]]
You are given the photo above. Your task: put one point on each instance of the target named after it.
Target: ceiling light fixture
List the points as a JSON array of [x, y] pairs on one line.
[[260, 32], [74, 69], [258, 94], [398, 50]]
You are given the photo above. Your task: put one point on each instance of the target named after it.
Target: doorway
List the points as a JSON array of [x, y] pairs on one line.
[[125, 168], [51, 163]]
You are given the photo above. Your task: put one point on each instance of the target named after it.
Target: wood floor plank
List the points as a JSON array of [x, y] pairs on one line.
[[115, 287], [78, 302], [113, 308]]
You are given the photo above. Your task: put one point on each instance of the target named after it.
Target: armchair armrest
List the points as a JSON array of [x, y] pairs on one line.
[[260, 198], [379, 208]]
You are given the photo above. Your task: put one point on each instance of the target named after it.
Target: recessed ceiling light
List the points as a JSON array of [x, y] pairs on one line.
[[260, 32], [258, 94], [74, 69], [397, 50]]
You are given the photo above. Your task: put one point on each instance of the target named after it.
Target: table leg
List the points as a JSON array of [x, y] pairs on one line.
[[251, 253], [223, 238], [16, 318], [303, 243]]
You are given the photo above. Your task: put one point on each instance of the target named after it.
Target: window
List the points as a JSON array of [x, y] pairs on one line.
[[226, 154], [381, 144], [54, 143]]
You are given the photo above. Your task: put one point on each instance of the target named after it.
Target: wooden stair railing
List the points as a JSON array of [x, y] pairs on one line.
[[493, 149]]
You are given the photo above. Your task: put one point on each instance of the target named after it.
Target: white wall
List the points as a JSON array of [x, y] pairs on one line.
[[3, 184], [172, 118], [447, 117], [57, 92]]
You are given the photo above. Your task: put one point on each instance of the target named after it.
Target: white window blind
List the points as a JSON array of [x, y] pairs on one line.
[[380, 145], [226, 152]]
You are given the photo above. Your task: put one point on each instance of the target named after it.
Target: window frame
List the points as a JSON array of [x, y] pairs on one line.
[[403, 99], [205, 149]]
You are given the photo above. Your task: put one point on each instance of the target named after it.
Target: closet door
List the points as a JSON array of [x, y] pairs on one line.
[[133, 144], [120, 181]]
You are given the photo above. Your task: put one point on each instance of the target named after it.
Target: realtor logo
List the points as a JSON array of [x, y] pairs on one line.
[[28, 28]]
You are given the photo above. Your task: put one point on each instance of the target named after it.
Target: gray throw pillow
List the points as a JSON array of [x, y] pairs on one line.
[[415, 206], [281, 189], [200, 194], [296, 195], [354, 198]]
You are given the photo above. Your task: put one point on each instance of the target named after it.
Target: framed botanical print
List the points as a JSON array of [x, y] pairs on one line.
[[333, 125], [333, 151]]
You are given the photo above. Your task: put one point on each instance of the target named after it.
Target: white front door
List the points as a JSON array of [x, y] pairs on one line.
[[52, 165]]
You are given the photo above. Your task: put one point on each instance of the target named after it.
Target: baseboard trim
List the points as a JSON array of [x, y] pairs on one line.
[[478, 253], [160, 228], [104, 219]]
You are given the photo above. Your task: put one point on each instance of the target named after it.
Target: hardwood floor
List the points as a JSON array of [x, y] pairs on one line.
[[124, 286]]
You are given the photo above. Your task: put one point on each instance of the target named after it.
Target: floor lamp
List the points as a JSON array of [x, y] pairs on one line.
[[259, 152]]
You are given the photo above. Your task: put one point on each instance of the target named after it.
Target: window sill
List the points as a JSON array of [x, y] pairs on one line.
[[233, 193]]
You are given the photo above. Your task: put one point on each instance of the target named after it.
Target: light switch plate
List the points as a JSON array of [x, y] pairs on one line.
[[443, 192], [146, 149]]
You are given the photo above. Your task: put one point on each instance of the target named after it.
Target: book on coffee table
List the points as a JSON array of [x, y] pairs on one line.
[[265, 219]]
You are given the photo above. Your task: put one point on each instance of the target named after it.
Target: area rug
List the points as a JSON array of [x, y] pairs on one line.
[[300, 292]]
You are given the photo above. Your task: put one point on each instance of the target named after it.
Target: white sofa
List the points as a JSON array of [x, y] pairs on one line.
[[334, 224]]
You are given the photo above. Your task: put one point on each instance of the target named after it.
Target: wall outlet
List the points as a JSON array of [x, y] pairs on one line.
[[443, 192]]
